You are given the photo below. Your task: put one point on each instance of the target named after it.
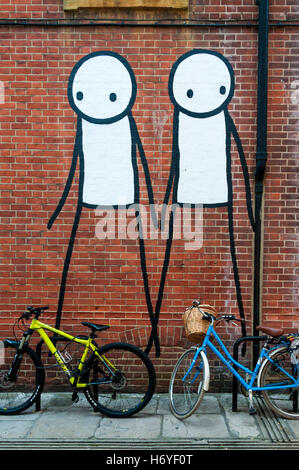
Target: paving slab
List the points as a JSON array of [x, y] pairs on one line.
[[66, 424], [205, 426], [15, 429], [138, 427]]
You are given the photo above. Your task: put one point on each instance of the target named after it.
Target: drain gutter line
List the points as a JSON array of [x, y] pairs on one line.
[[261, 159]]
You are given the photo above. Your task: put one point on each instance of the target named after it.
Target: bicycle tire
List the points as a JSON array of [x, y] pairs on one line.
[[130, 391], [283, 402], [185, 398], [19, 395]]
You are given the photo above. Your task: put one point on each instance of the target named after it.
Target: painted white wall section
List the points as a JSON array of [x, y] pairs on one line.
[[202, 161], [108, 171]]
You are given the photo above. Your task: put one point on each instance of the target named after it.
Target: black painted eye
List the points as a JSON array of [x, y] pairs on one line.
[[79, 96], [190, 93], [222, 90], [112, 97]]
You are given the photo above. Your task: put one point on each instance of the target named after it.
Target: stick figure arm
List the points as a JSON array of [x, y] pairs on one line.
[[245, 172], [170, 181], [173, 173], [146, 173], [67, 185]]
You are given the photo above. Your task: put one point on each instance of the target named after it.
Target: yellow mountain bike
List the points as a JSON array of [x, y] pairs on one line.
[[118, 379]]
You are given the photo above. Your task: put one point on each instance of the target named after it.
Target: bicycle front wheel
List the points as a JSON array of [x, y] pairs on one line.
[[121, 382], [187, 383], [283, 401], [22, 380]]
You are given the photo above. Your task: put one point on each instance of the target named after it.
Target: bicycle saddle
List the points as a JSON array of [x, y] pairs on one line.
[[271, 331], [95, 327]]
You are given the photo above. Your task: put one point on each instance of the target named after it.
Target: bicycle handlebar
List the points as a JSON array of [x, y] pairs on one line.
[[211, 317], [225, 317], [36, 311], [228, 318]]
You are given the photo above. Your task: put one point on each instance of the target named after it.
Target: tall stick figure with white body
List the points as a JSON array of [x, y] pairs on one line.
[[102, 91], [201, 85]]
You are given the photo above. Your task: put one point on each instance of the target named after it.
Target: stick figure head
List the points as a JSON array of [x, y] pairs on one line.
[[201, 83], [102, 87]]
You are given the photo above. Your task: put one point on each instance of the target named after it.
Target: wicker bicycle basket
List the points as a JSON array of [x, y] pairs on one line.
[[196, 326]]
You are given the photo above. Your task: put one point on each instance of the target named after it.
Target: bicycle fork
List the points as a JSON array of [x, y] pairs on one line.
[[205, 364], [252, 410], [18, 345]]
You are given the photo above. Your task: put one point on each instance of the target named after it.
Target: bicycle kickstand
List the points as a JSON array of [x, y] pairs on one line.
[[252, 410], [75, 397]]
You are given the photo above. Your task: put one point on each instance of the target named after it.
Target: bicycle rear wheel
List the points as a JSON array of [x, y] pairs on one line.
[[22, 380], [283, 401], [186, 388], [124, 392]]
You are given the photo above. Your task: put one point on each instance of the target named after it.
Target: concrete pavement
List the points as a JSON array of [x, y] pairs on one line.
[[62, 424]]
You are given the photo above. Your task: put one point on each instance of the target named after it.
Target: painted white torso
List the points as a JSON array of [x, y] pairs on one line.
[[203, 161], [108, 171]]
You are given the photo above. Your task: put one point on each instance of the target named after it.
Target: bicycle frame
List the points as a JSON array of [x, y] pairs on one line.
[[40, 328], [228, 360]]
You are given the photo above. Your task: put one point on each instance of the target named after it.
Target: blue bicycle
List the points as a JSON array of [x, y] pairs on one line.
[[276, 373]]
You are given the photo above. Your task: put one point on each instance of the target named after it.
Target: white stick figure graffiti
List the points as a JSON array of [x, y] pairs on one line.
[[201, 85], [102, 91]]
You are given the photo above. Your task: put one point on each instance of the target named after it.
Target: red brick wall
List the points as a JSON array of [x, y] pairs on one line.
[[280, 302], [37, 130]]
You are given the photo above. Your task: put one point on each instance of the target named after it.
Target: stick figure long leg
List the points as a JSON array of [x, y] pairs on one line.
[[154, 323], [67, 263], [162, 285], [172, 181], [137, 144], [154, 332]]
